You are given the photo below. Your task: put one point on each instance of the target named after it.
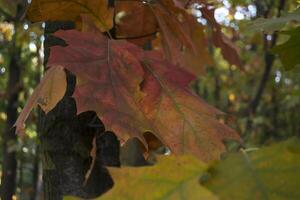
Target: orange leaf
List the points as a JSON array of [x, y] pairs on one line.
[[187, 125], [228, 48], [70, 10], [182, 37], [134, 21], [47, 94]]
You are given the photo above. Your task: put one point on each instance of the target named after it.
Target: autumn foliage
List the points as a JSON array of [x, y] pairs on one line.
[[136, 65], [134, 91]]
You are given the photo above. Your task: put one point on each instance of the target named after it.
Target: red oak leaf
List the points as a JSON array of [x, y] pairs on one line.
[[185, 122], [108, 77], [183, 38], [134, 91]]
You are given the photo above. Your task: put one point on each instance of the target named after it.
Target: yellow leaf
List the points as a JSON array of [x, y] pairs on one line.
[[172, 178], [268, 173]]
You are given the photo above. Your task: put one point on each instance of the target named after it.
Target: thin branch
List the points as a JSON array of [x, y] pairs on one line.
[[269, 60]]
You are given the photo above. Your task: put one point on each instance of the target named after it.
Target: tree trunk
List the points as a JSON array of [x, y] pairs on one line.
[[66, 141], [9, 163], [35, 174], [36, 182]]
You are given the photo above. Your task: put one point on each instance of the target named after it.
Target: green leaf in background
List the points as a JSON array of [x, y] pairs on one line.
[[171, 178], [289, 52], [270, 173], [9, 6], [274, 24]]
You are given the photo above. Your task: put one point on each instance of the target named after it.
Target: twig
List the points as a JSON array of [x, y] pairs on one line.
[[269, 60]]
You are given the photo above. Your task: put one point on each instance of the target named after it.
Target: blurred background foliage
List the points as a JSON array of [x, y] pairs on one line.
[[261, 117]]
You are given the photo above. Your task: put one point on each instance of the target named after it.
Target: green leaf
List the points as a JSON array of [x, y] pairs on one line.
[[72, 198], [288, 52], [172, 178], [274, 24], [270, 173]]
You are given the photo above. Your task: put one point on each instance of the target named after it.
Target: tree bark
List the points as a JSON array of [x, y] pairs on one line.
[[66, 141]]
